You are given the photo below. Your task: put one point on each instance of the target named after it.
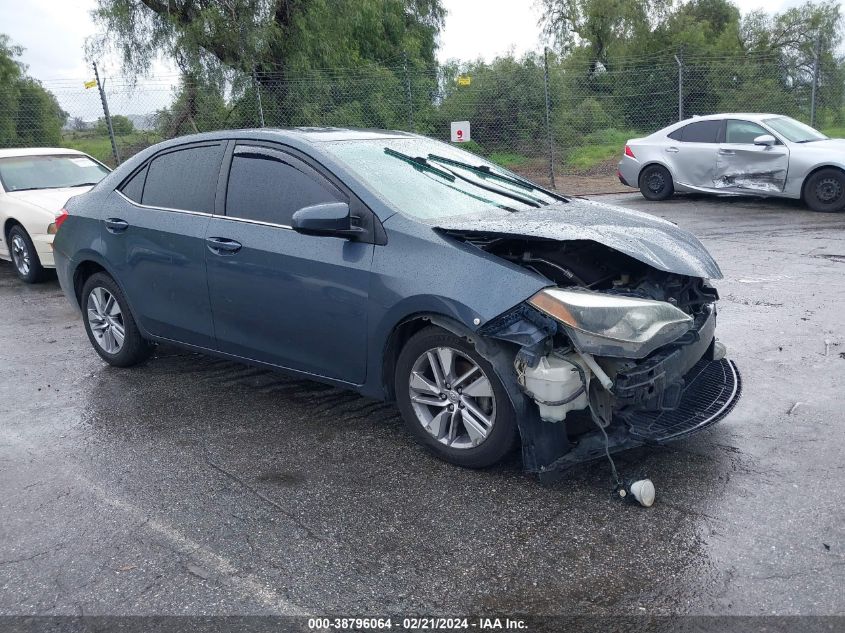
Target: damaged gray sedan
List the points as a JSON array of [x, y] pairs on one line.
[[739, 154], [493, 311]]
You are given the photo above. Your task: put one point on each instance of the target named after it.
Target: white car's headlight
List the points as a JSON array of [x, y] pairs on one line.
[[613, 325]]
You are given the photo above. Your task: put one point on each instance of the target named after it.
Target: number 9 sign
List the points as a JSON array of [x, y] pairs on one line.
[[460, 131]]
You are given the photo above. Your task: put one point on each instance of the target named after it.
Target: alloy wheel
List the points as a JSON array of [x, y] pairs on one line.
[[452, 397], [20, 255], [105, 320]]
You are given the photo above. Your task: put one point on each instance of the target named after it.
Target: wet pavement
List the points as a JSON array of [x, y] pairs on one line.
[[192, 485]]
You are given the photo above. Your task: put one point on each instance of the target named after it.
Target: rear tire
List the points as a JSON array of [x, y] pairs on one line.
[[656, 183], [24, 256], [110, 326], [463, 413], [825, 190]]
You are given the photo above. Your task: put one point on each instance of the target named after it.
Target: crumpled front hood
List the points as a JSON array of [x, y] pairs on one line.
[[644, 237], [49, 199]]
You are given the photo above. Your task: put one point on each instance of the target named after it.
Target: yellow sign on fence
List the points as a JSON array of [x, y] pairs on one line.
[[464, 80], [90, 84]]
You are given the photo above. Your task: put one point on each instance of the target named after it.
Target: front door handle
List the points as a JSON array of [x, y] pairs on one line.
[[727, 152], [116, 225], [672, 150], [222, 245]]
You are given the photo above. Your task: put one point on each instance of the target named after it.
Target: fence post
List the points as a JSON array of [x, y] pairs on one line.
[[107, 115], [680, 61], [549, 117], [408, 94], [257, 87], [816, 53]]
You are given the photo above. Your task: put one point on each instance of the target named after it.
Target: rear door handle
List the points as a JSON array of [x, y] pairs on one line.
[[727, 152], [222, 245], [116, 225], [672, 150]]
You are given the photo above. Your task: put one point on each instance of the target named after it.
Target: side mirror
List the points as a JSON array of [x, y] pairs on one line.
[[765, 139], [325, 219]]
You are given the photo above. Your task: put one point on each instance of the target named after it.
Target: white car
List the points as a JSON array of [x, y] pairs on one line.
[[35, 183], [739, 154]]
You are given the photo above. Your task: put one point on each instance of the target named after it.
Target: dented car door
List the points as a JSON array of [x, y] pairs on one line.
[[692, 154], [743, 166]]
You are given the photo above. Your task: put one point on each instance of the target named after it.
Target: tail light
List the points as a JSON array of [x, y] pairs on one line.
[[55, 226], [629, 152]]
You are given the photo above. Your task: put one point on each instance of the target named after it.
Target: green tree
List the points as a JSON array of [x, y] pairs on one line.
[[121, 125], [11, 72], [29, 114]]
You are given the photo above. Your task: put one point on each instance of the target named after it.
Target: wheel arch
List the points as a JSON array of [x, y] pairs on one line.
[[814, 171], [91, 263], [403, 331], [653, 163]]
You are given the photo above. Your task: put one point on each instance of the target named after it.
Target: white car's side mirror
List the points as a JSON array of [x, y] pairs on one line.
[[765, 139]]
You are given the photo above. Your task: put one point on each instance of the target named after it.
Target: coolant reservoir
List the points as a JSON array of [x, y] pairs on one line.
[[556, 379]]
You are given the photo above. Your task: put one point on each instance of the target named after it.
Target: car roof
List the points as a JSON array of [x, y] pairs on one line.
[[38, 151], [751, 116]]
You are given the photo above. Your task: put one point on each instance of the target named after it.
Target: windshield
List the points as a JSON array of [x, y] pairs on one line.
[[24, 173], [793, 130], [427, 179]]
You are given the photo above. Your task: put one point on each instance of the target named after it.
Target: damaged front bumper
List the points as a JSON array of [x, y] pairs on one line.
[[676, 391]]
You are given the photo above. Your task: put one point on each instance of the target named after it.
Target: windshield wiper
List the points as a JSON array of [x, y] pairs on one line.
[[420, 163], [485, 171], [526, 199], [82, 184]]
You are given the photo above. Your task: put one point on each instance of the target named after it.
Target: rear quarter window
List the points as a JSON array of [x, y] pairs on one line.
[[184, 179], [698, 132]]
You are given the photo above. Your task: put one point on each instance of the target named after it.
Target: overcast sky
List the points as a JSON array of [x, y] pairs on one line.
[[53, 33]]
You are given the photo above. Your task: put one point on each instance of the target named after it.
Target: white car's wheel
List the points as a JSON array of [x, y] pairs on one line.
[[656, 183], [24, 256], [825, 190]]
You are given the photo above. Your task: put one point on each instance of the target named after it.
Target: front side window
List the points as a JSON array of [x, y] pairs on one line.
[[737, 131], [27, 173], [793, 130], [184, 179], [270, 186], [698, 132]]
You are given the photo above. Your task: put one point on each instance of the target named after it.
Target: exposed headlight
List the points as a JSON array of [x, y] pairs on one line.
[[613, 325]]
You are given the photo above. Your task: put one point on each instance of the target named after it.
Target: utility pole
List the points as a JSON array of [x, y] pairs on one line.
[[549, 117], [816, 54], [680, 61], [107, 115]]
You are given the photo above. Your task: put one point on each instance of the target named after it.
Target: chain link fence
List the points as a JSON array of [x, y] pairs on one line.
[[555, 120]]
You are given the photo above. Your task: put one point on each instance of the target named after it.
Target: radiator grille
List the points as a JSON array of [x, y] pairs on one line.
[[711, 390]]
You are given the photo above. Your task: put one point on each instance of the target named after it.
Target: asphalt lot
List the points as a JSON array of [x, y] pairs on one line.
[[197, 486]]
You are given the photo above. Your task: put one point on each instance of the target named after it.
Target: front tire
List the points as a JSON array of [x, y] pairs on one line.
[[656, 183], [110, 326], [24, 256], [825, 190], [452, 400]]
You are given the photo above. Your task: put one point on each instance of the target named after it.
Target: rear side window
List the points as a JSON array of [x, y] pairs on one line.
[[134, 187], [742, 131], [698, 132], [270, 186], [184, 179]]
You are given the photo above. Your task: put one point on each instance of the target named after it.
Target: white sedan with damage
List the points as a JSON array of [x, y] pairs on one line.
[[35, 183], [739, 154]]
